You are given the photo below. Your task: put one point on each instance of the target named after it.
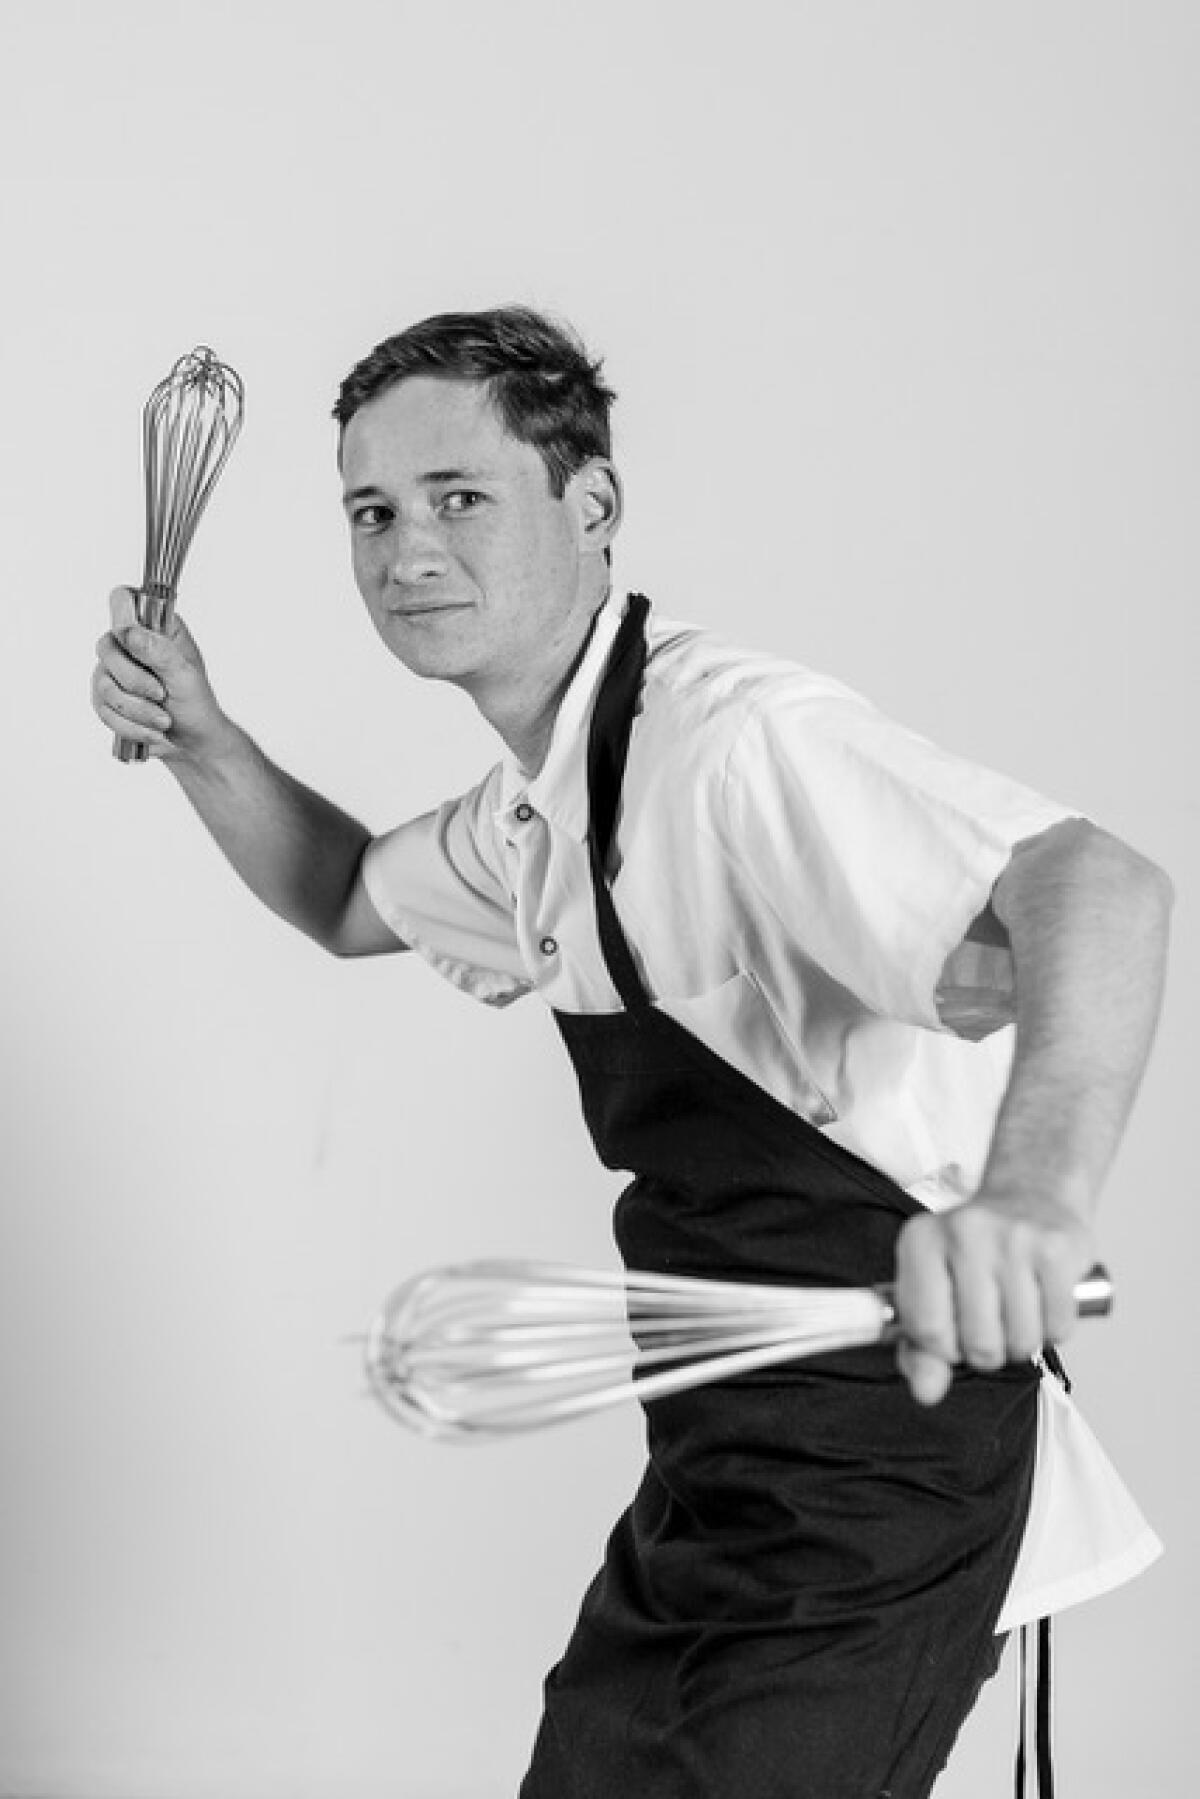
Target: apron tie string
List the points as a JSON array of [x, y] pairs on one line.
[[1042, 1745]]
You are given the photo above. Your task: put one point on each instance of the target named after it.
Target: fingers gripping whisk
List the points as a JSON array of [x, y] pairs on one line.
[[190, 424]]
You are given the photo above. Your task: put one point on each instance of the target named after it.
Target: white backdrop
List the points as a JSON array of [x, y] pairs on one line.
[[900, 300]]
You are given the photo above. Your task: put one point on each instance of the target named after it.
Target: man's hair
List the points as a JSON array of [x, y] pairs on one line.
[[540, 379]]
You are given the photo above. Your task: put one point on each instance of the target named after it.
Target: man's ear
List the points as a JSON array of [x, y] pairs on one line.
[[594, 493]]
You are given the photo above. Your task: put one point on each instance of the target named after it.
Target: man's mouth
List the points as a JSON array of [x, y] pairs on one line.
[[426, 608]]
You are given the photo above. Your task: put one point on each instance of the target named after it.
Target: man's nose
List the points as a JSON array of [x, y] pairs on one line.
[[417, 554]]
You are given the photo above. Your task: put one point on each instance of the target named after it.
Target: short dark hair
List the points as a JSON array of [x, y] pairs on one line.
[[541, 380]]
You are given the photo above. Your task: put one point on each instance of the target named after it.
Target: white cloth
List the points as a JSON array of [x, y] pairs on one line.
[[796, 876], [1084, 1534]]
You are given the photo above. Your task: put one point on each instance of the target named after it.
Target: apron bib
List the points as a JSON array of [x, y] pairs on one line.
[[800, 1602]]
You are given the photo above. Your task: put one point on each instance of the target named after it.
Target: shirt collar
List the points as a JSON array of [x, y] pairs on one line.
[[559, 790]]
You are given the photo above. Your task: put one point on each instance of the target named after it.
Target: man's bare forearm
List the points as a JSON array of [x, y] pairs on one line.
[[1087, 920], [992, 1279], [297, 852]]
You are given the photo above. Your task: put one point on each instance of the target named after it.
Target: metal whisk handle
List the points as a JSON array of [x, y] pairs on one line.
[[1094, 1293], [155, 604], [1093, 1299]]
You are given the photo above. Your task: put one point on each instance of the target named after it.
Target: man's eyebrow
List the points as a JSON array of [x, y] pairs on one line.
[[434, 477], [437, 477]]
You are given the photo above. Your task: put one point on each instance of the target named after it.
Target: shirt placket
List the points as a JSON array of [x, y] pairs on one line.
[[527, 834]]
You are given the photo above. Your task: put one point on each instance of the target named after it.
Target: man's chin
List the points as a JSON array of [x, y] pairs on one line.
[[422, 655]]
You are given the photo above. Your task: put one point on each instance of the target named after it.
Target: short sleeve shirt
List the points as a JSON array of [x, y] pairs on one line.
[[796, 875]]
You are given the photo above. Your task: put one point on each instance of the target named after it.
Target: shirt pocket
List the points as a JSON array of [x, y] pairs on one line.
[[738, 1023]]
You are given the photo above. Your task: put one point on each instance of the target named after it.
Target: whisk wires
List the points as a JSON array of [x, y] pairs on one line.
[[189, 426], [486, 1349]]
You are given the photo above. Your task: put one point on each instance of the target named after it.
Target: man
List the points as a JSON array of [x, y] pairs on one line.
[[782, 939]]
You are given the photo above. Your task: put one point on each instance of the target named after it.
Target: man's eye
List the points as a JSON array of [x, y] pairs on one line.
[[463, 499], [370, 518]]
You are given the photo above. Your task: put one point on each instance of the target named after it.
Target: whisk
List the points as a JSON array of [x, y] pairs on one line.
[[190, 424], [482, 1350]]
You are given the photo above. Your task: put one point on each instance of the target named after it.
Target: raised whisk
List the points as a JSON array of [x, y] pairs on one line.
[[190, 424], [485, 1349]]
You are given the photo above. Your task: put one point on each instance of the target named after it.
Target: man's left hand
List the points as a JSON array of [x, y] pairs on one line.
[[986, 1283]]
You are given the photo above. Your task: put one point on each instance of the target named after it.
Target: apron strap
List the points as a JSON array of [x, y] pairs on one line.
[[1043, 1752], [1043, 1725], [607, 752]]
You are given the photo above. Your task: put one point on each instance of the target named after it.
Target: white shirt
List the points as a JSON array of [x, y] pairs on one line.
[[796, 876]]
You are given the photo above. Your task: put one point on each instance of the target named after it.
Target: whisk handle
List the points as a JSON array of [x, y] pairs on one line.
[[1094, 1293], [155, 605], [1093, 1298]]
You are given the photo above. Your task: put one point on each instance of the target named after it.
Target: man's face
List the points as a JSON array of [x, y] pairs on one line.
[[472, 570]]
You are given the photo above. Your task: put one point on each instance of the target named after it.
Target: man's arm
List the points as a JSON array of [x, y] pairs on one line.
[[991, 1280], [300, 854]]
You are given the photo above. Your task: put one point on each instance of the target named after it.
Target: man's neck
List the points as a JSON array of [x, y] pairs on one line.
[[525, 718]]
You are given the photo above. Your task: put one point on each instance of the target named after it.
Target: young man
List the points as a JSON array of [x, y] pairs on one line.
[[783, 940]]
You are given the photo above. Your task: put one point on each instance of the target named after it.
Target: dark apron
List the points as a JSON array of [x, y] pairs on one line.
[[801, 1601]]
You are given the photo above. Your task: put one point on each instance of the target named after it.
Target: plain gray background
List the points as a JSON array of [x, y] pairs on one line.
[[900, 301]]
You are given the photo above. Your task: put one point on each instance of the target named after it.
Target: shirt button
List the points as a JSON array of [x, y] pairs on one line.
[[524, 812], [548, 946]]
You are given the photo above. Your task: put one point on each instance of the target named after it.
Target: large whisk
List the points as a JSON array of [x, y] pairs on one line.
[[190, 424], [485, 1349]]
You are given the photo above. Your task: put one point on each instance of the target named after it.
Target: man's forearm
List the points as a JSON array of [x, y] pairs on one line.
[[992, 1279], [1087, 921], [295, 850]]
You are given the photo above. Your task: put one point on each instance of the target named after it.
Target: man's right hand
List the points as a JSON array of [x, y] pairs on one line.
[[152, 687], [297, 852]]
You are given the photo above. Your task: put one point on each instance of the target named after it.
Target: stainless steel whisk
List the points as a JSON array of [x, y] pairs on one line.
[[190, 424], [485, 1349]]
